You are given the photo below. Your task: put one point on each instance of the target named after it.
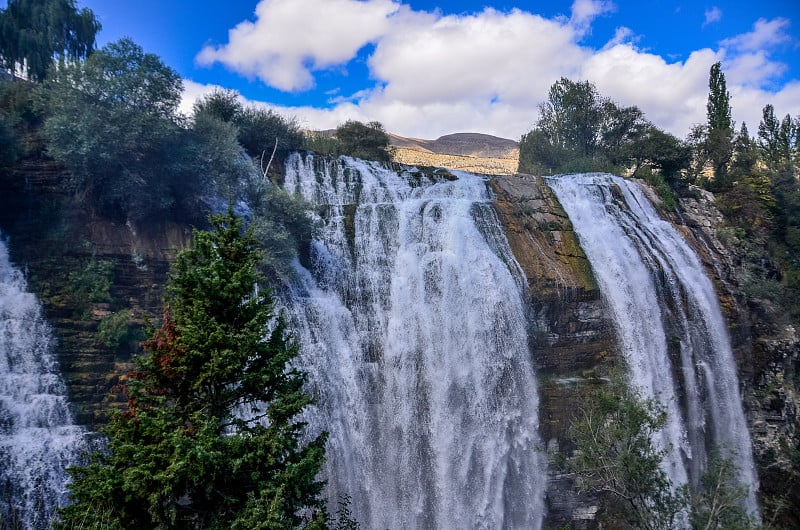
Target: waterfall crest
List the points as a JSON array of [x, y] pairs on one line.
[[38, 439], [412, 327], [668, 320]]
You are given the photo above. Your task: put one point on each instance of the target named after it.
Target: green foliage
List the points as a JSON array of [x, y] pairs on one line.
[[217, 155], [222, 104], [113, 120], [322, 143], [776, 138], [91, 284], [18, 121], [211, 437], [116, 329], [719, 142], [654, 149], [282, 225], [261, 130], [718, 505], [369, 142], [580, 131], [661, 187], [615, 456], [9, 148], [34, 32]]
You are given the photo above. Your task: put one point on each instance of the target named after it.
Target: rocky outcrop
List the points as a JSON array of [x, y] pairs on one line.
[[767, 350], [571, 336]]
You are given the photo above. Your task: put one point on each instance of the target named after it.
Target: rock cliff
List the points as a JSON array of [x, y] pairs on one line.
[[571, 335]]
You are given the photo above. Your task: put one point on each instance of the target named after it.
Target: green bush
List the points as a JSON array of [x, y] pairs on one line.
[[369, 142], [90, 284], [116, 329], [322, 143]]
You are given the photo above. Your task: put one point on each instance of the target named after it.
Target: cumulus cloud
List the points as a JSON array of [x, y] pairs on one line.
[[712, 15], [292, 38], [433, 74]]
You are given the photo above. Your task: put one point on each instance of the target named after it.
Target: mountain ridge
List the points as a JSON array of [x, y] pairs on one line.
[[474, 152]]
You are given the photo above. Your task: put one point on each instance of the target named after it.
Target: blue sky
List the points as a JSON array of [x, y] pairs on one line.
[[427, 68]]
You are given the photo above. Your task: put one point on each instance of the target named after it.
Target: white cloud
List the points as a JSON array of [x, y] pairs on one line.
[[433, 74], [585, 11], [766, 34], [292, 38], [712, 15], [672, 95]]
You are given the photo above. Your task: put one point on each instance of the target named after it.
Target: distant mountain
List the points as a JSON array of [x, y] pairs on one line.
[[462, 144], [475, 152]]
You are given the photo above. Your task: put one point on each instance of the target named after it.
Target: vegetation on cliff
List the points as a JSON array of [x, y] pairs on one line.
[[615, 456], [210, 438], [352, 138]]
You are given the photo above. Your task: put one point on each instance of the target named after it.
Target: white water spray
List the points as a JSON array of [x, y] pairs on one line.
[[37, 437], [412, 327], [668, 320]]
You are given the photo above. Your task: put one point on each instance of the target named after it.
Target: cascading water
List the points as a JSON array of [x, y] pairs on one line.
[[668, 320], [413, 332], [37, 437]]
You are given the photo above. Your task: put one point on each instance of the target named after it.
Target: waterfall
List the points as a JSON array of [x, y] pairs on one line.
[[668, 320], [37, 437], [412, 328]]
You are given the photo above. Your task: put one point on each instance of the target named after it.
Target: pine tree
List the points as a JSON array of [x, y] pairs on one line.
[[210, 438], [719, 143]]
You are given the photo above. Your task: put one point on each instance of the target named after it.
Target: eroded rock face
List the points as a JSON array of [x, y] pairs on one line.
[[56, 244], [767, 350], [571, 336], [570, 333]]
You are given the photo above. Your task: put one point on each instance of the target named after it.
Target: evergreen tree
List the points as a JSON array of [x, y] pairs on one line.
[[745, 155], [719, 143], [210, 438]]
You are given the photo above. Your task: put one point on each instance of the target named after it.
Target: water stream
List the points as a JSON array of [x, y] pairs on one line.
[[668, 320], [38, 439], [413, 330]]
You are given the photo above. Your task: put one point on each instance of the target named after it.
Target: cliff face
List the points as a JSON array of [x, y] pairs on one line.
[[571, 335], [85, 271], [767, 350]]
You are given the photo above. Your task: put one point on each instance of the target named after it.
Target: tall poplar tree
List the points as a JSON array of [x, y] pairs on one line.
[[719, 144], [211, 436]]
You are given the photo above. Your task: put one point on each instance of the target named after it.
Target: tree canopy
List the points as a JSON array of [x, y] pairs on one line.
[[211, 436], [719, 142], [113, 120], [615, 456], [368, 141], [35, 32], [579, 130]]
